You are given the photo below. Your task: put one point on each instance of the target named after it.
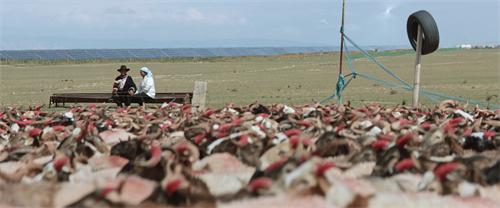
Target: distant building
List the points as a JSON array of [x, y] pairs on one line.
[[466, 46], [471, 46]]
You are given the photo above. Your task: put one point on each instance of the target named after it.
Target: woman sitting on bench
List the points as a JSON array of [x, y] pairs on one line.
[[146, 90]]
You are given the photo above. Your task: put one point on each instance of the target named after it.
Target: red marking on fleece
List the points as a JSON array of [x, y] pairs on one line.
[[305, 123], [264, 115], [59, 163], [380, 144], [35, 132], [404, 122], [489, 134], [243, 139], [155, 152], [91, 106], [455, 121], [404, 139], [327, 119], [386, 137], [323, 167], [340, 127], [467, 132], [292, 132], [449, 129], [181, 148], [186, 108], [148, 117], [48, 122], [294, 141], [237, 121], [24, 123], [443, 170], [259, 183], [275, 165], [208, 112], [404, 165], [198, 138], [108, 123], [225, 127], [121, 110], [426, 125], [172, 186]]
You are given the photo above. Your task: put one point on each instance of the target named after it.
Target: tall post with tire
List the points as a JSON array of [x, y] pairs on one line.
[[424, 38]]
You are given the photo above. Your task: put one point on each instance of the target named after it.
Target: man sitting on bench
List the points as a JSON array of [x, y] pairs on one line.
[[123, 87]]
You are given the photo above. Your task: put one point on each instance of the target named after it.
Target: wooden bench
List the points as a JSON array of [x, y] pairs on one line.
[[58, 98]]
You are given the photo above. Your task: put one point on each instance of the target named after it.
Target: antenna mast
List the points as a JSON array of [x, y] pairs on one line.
[[342, 38]]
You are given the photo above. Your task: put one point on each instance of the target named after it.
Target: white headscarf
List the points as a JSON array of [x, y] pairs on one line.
[[148, 72]]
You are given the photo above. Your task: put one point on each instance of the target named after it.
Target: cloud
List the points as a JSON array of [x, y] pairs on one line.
[[324, 21], [388, 10], [193, 14]]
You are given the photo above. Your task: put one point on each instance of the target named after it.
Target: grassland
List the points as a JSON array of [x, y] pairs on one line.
[[292, 79]]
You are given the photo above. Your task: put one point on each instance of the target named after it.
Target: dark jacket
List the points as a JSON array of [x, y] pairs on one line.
[[129, 85]]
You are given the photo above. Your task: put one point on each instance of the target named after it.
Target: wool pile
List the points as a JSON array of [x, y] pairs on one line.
[[278, 155]]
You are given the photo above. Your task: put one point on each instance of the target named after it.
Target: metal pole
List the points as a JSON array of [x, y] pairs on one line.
[[416, 82], [342, 37]]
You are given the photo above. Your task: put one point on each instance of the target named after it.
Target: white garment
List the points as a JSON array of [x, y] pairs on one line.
[[147, 86], [121, 82]]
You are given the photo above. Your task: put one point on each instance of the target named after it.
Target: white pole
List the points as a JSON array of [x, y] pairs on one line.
[[416, 82]]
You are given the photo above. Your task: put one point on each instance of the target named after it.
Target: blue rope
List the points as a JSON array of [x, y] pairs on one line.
[[434, 96], [377, 62]]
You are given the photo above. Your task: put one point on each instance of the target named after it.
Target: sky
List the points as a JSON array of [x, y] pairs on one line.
[[79, 24]]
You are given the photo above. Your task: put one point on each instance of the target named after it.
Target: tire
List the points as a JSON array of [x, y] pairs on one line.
[[430, 39]]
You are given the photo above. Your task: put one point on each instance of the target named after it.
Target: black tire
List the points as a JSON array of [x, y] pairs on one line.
[[429, 27]]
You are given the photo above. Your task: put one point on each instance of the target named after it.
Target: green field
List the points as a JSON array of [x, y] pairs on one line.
[[291, 79]]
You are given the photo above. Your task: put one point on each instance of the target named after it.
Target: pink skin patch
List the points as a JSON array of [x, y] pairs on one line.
[[380, 144], [105, 191], [404, 165], [323, 167], [172, 186], [260, 183], [404, 139], [443, 170]]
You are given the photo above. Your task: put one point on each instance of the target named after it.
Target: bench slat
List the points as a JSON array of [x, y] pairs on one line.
[[178, 97]]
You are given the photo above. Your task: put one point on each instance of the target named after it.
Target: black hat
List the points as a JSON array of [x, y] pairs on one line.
[[123, 67]]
